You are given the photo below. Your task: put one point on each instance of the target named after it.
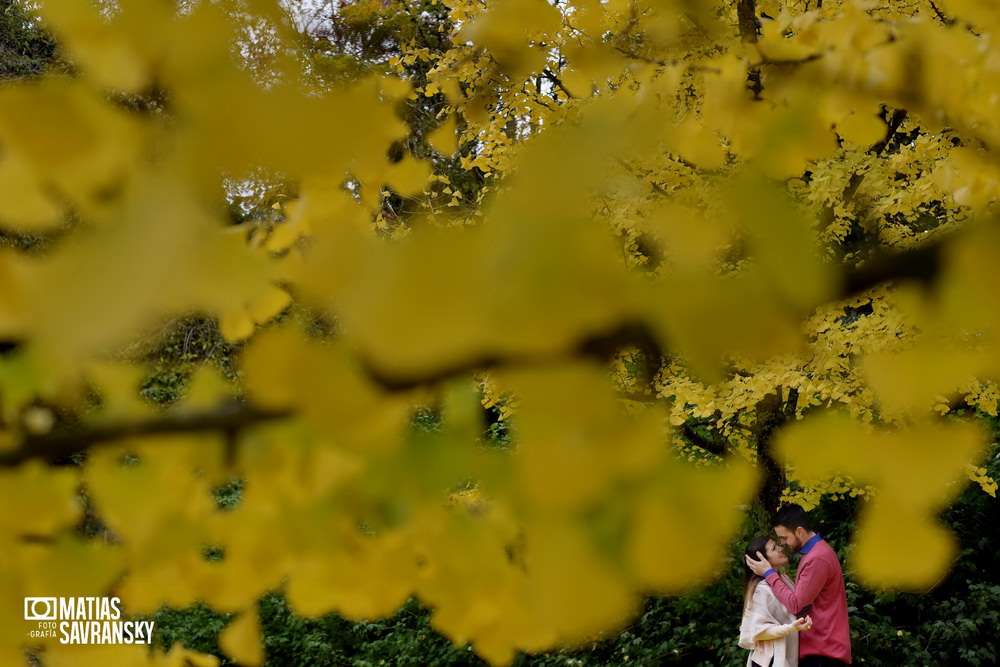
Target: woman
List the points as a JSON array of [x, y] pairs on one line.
[[768, 629]]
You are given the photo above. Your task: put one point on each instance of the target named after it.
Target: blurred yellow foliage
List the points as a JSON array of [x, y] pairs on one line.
[[667, 211], [915, 473]]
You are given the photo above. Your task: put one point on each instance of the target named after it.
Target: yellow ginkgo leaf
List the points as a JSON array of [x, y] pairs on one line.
[[409, 176], [50, 494], [24, 204], [241, 639], [915, 474], [444, 139], [207, 388], [861, 129], [134, 655], [68, 566], [236, 326], [268, 304]]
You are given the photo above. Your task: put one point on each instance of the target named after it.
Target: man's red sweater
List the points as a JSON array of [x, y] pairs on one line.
[[819, 585]]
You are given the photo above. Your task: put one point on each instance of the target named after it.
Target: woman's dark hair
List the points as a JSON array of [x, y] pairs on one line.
[[750, 580]]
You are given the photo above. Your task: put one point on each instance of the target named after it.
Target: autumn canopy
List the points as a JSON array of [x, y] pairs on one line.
[[715, 255]]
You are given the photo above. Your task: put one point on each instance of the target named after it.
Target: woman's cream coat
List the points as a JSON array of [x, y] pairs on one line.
[[767, 629]]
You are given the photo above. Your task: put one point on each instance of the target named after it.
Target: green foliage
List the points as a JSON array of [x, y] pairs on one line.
[[195, 340], [196, 627], [164, 386], [229, 495], [896, 628], [363, 38], [500, 434], [25, 49], [372, 31], [291, 640], [330, 641], [185, 345], [405, 639]]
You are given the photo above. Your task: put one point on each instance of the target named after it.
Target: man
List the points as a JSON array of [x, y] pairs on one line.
[[819, 590]]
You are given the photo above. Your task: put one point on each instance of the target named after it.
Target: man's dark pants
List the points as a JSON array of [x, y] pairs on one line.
[[820, 661], [816, 661]]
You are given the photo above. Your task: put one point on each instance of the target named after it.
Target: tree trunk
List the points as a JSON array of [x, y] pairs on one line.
[[772, 412]]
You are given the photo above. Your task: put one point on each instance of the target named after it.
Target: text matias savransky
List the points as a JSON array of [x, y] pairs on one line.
[[85, 620]]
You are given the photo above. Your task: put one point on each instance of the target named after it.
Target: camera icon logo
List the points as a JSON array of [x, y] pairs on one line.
[[40, 609]]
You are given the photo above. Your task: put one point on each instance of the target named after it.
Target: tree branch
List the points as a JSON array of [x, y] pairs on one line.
[[57, 447], [746, 14], [941, 16], [601, 347], [893, 124], [638, 397], [713, 443], [771, 414], [922, 264], [787, 62], [547, 73], [643, 58], [791, 403]]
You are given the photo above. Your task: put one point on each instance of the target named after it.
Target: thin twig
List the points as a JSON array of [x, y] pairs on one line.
[[547, 73]]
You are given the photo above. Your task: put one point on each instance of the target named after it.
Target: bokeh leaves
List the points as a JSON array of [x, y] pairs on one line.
[[346, 505]]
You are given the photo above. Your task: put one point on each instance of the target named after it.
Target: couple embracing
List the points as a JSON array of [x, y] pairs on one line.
[[800, 624]]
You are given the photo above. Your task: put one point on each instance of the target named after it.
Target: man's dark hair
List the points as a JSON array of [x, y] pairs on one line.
[[791, 516]]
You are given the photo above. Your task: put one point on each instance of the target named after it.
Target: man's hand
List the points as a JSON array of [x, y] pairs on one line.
[[759, 566]]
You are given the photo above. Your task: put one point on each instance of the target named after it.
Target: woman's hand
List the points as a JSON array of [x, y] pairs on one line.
[[803, 623]]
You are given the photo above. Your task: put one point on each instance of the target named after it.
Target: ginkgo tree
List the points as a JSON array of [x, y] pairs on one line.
[[718, 248]]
